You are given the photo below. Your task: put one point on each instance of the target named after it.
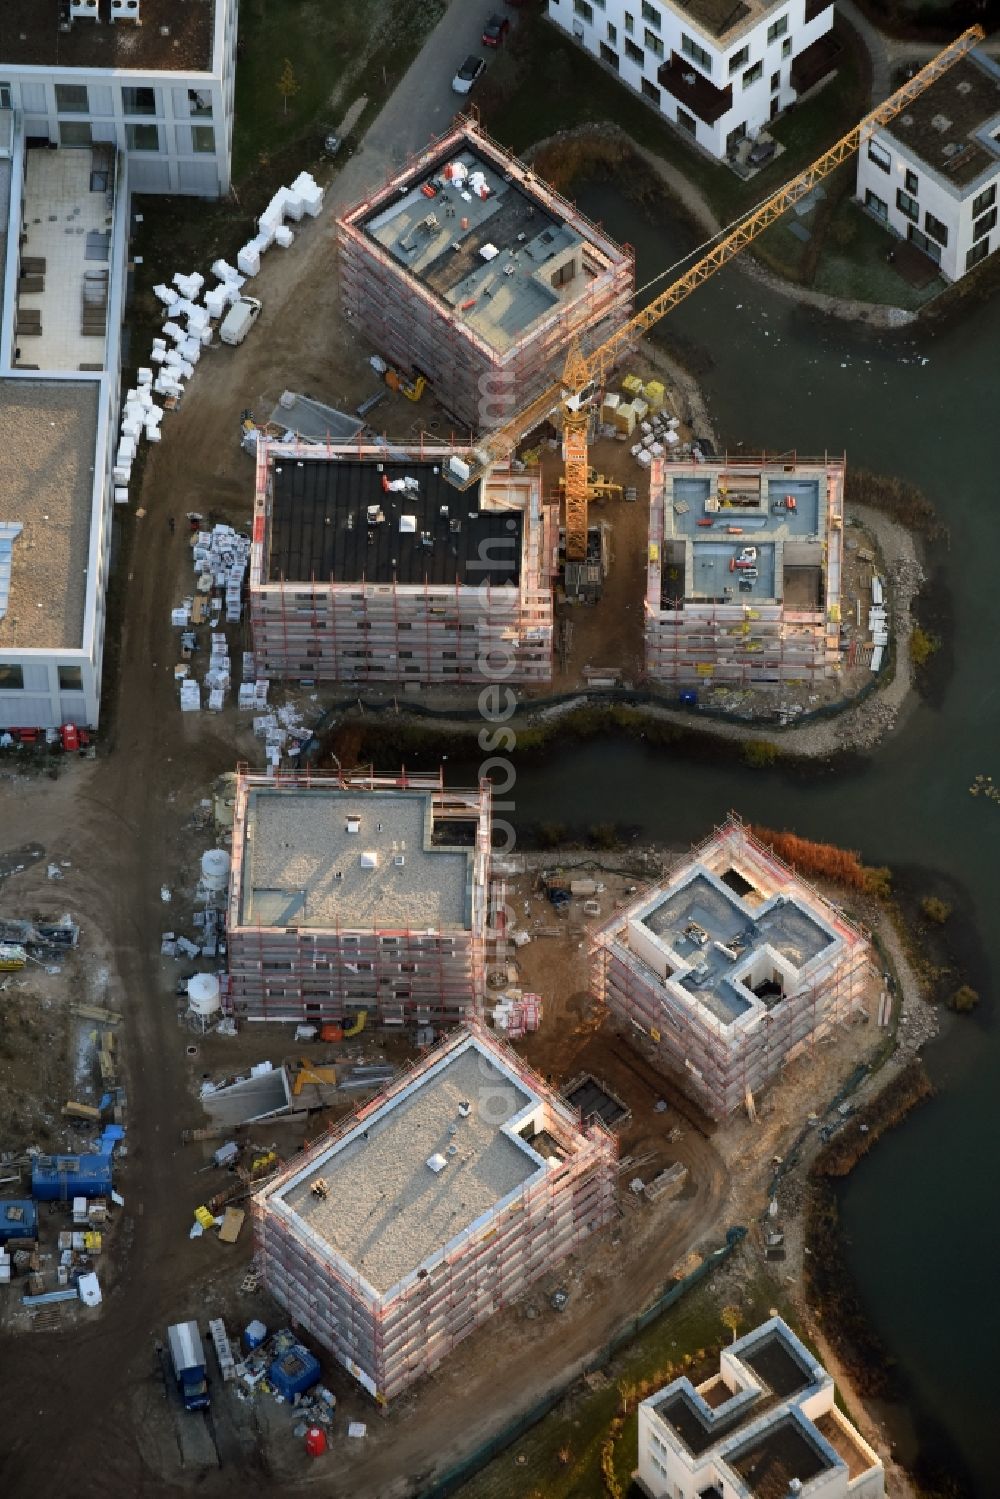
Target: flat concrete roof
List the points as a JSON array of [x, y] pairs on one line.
[[386, 1211], [492, 258], [31, 36], [48, 435], [320, 525], [302, 868], [954, 126], [731, 932]]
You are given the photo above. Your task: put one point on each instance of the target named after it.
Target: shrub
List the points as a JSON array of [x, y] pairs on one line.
[[759, 752], [963, 1000], [935, 910], [809, 858], [922, 646], [878, 881], [551, 834], [603, 835]]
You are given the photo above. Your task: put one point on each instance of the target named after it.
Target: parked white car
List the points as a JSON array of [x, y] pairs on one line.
[[467, 74]]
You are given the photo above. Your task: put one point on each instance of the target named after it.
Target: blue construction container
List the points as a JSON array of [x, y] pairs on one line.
[[18, 1219], [294, 1372], [60, 1178]]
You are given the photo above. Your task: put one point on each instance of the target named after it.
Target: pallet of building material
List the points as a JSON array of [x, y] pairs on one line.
[[73, 1110], [668, 1183], [223, 1348], [95, 1012]]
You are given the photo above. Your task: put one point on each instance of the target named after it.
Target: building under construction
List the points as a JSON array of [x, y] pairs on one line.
[[467, 269], [744, 570], [434, 1206], [358, 896], [730, 969], [366, 569]]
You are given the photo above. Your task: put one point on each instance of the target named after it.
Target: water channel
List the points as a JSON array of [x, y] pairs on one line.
[[921, 1215]]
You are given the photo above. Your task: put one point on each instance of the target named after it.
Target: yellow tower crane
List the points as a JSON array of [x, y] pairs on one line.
[[584, 374]]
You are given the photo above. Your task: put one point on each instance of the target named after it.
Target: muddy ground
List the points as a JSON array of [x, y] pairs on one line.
[[86, 1408]]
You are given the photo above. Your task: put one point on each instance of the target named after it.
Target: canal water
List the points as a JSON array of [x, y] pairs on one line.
[[921, 1215]]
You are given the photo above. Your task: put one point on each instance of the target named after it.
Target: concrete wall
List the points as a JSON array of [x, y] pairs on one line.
[[882, 169], [751, 106]]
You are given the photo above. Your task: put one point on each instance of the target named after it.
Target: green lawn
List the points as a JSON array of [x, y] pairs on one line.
[[854, 265], [543, 84], [561, 1457], [325, 43]]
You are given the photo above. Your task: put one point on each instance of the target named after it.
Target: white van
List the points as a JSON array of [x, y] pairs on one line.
[[239, 320]]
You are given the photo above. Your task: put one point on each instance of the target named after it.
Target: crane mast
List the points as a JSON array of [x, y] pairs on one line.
[[583, 371]]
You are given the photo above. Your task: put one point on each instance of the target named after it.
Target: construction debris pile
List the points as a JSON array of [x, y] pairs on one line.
[[305, 196], [191, 308], [220, 558], [637, 412], [516, 1014]]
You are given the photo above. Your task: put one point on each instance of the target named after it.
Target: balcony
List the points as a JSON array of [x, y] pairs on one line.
[[693, 90], [815, 63]]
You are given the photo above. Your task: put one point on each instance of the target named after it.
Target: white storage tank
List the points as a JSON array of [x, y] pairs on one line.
[[204, 994], [215, 869]]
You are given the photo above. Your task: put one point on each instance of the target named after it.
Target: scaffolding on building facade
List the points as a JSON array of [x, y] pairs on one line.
[[387, 1341], [328, 975], [322, 630], [694, 641], [720, 1064], [421, 333]]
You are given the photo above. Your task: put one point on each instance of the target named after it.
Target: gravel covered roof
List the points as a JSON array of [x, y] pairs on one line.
[[302, 868], [48, 431], [386, 1211]]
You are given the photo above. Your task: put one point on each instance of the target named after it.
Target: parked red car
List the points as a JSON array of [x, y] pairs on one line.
[[495, 30]]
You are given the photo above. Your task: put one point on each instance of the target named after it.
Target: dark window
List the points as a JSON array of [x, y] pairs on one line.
[[139, 101], [876, 205], [739, 59], [775, 81], [786, 47], [71, 98], [752, 75], [986, 199], [686, 121], [71, 679], [634, 52], [907, 205], [612, 32], [880, 156], [653, 42], [629, 23], [984, 225], [977, 253], [651, 91], [911, 183], [936, 229], [583, 9], [142, 137], [930, 249], [651, 14], [697, 54], [609, 56], [777, 29], [11, 678]]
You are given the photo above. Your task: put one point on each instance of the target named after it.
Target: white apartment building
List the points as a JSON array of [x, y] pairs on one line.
[[153, 78], [933, 176], [765, 1427], [63, 243], [718, 69]]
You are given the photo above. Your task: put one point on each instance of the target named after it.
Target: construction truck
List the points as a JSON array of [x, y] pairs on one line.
[[187, 1357]]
